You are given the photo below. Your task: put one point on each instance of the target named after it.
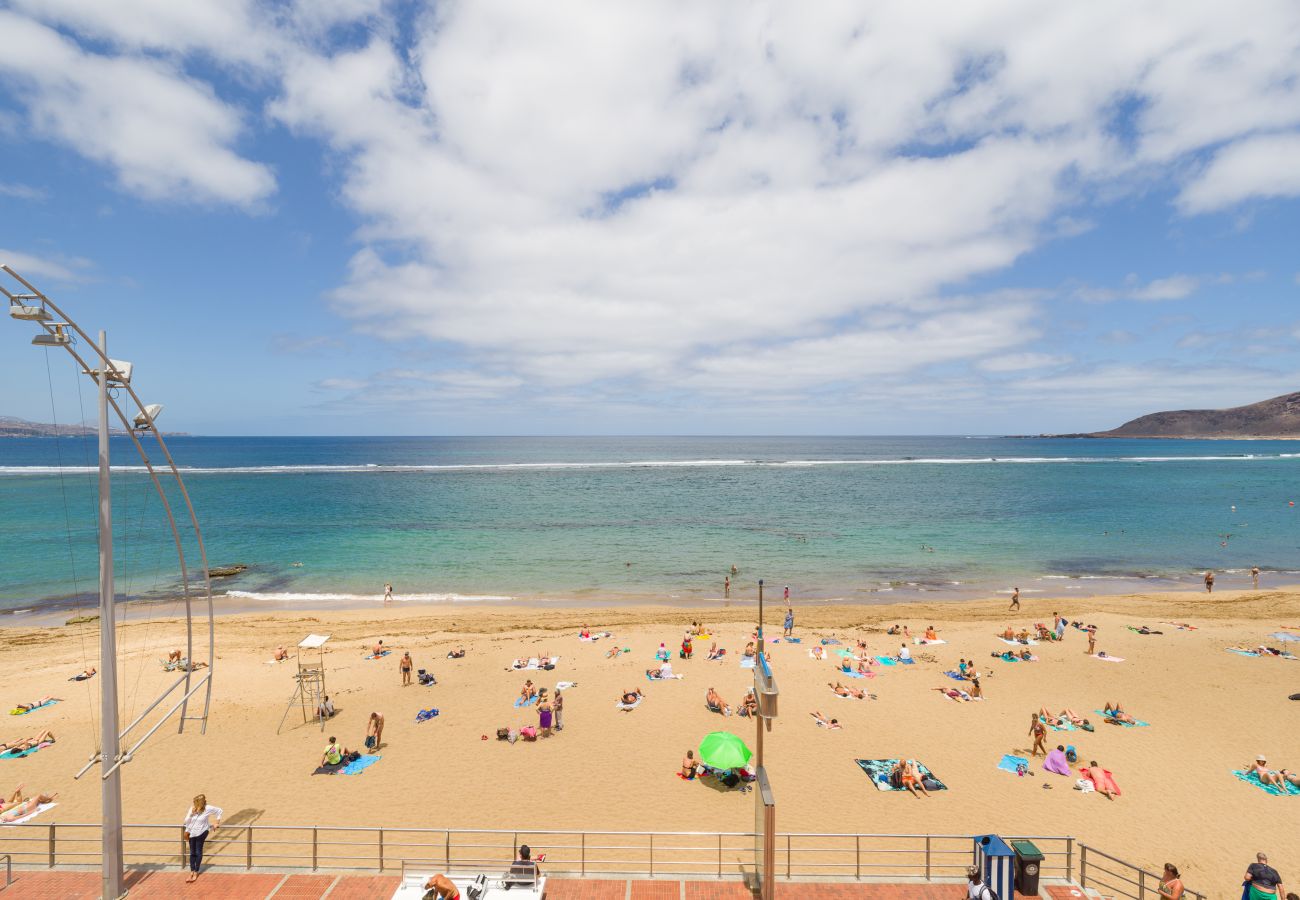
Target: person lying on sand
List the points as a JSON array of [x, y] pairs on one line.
[[661, 672], [1259, 768], [819, 652], [25, 807], [714, 701], [632, 696], [35, 704], [953, 693], [518, 664], [45, 737], [84, 674], [1099, 780], [15, 797], [824, 722], [613, 652], [1116, 712], [280, 654], [1048, 718], [847, 691], [458, 653], [714, 652], [1291, 778]]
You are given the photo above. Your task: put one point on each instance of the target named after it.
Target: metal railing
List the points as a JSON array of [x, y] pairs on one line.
[[9, 871], [726, 855], [1122, 880]]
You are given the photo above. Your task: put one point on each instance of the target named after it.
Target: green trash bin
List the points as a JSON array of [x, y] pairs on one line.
[[1029, 860]]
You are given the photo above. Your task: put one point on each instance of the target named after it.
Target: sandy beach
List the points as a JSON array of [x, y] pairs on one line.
[[1209, 711]]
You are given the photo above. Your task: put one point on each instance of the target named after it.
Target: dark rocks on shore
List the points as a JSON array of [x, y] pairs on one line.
[[226, 571]]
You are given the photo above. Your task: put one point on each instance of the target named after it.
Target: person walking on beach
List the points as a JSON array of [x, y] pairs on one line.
[[388, 593], [1015, 600], [1092, 639], [789, 618], [199, 821], [726, 586], [405, 668], [1209, 582], [787, 593], [1262, 880], [1038, 731], [1254, 577]]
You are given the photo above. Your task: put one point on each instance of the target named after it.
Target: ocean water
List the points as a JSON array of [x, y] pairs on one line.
[[329, 520]]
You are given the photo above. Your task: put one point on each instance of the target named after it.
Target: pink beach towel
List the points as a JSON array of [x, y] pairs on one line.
[[1107, 779]]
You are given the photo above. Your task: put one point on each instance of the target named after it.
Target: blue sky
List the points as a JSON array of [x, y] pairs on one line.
[[365, 217]]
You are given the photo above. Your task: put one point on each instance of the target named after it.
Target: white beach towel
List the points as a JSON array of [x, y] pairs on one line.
[[747, 662], [621, 705], [923, 641], [1017, 643], [812, 655], [1108, 658], [565, 685], [33, 814]]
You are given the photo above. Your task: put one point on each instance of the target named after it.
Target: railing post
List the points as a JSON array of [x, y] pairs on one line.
[[1083, 865], [313, 847], [1069, 859], [381, 849], [787, 855], [719, 854], [927, 857], [652, 855], [446, 851], [248, 847], [52, 827], [1142, 884], [583, 864], [857, 856]]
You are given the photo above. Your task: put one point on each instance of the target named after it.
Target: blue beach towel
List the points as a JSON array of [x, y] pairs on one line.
[[826, 642], [1067, 726], [1250, 778], [846, 653], [794, 640], [1011, 763], [23, 712], [906, 662], [357, 766], [1241, 652], [519, 701], [425, 715], [1135, 724], [955, 675], [10, 754], [878, 771], [851, 674], [886, 660], [747, 663], [372, 656]]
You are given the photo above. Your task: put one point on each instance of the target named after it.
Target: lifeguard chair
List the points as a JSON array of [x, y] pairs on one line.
[[309, 681]]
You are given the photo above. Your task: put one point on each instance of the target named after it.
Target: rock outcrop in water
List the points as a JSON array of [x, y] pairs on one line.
[[1275, 418]]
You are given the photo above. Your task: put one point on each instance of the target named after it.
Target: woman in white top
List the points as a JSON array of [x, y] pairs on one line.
[[198, 822]]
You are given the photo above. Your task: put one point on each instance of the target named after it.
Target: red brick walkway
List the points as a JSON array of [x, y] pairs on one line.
[[45, 885]]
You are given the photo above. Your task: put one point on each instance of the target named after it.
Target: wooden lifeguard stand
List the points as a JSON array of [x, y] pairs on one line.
[[309, 681]]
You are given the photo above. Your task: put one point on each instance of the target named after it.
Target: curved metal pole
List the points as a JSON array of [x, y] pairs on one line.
[[106, 366]]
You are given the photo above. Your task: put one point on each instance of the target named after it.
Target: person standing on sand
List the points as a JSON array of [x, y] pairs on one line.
[[559, 710], [1263, 881], [199, 821], [1092, 639], [374, 731], [405, 668], [1209, 582], [789, 618], [388, 593], [1038, 731], [1171, 884], [1254, 577], [1015, 600]]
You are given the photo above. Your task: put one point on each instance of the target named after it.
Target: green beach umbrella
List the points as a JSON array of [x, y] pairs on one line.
[[723, 750]]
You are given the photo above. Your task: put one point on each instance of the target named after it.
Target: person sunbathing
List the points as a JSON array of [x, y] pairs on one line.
[[910, 774], [749, 650], [519, 664], [1023, 635], [824, 722], [714, 652], [613, 652], [662, 653], [749, 706], [819, 652], [1009, 634], [458, 653], [714, 701], [1048, 718], [35, 704], [84, 674], [664, 671], [845, 666], [585, 633], [839, 689], [1259, 768], [45, 737], [1291, 778], [689, 764], [931, 634], [632, 696], [280, 654], [527, 692], [25, 807], [15, 797], [1075, 718], [1099, 781], [864, 670], [953, 693], [1026, 655], [1043, 633]]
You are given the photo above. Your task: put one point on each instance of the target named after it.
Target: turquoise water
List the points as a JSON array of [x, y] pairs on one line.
[[589, 519]]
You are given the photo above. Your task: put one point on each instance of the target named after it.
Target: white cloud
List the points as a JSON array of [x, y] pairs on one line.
[[165, 135], [1020, 362], [1172, 287], [1263, 166], [21, 191], [32, 267]]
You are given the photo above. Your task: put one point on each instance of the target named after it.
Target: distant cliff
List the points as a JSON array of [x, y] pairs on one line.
[[15, 427], [1275, 418]]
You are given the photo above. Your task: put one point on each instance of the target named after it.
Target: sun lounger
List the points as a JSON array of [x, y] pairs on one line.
[[1284, 790]]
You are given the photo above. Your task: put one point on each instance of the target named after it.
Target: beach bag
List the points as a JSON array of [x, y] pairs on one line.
[[503, 734], [370, 742], [476, 890], [528, 733], [1071, 754], [929, 783], [513, 736]]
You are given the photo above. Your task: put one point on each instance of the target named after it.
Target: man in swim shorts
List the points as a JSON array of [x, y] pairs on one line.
[[440, 887]]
